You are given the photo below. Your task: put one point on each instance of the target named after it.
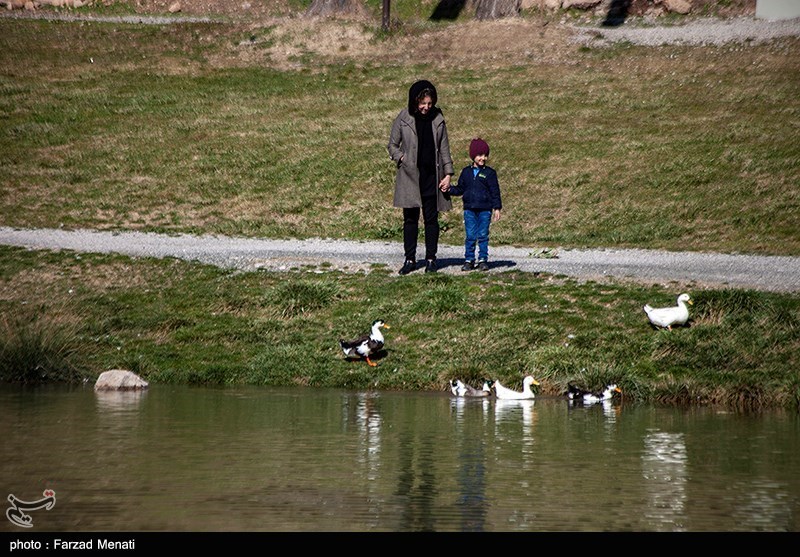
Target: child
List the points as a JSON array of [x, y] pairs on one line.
[[480, 192]]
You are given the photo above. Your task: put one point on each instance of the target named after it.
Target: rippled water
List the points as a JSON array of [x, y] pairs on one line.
[[289, 460]]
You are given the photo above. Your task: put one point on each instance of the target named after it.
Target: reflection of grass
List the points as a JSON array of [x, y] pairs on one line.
[[35, 349], [178, 322]]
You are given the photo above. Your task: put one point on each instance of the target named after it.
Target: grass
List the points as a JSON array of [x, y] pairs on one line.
[[187, 130], [279, 130], [36, 348], [177, 322]]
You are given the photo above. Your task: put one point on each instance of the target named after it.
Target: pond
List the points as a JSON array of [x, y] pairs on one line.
[[197, 459]]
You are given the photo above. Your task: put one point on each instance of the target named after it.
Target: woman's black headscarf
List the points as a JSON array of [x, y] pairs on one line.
[[426, 149], [413, 97]]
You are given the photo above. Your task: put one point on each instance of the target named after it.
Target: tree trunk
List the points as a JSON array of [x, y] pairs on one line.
[[335, 7], [496, 9]]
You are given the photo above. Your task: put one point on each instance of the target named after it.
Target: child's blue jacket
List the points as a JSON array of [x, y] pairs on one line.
[[480, 192]]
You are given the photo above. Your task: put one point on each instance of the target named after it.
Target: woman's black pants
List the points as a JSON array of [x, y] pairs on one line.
[[430, 216]]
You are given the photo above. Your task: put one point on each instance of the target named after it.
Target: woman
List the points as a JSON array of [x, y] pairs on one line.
[[419, 146]]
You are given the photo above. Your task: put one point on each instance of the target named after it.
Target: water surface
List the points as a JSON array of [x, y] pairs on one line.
[[305, 459]]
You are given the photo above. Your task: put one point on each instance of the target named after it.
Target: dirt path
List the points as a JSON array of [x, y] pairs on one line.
[[698, 270]]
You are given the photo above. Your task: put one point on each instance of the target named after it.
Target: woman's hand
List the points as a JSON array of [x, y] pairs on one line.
[[444, 184]]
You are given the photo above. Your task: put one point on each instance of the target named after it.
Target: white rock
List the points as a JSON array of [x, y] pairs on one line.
[[119, 380], [678, 6]]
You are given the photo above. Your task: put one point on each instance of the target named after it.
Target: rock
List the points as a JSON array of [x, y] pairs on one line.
[[175, 7], [540, 5], [579, 4], [678, 6], [119, 380]]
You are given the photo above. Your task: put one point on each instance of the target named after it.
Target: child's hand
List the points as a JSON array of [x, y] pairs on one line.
[[495, 215], [444, 184]]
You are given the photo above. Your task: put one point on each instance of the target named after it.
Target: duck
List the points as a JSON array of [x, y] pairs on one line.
[[459, 388], [504, 392], [666, 318], [574, 392], [590, 397], [366, 345]]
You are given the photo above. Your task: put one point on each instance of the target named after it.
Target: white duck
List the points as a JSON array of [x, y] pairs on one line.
[[365, 346], [459, 388], [588, 397], [666, 318], [510, 394]]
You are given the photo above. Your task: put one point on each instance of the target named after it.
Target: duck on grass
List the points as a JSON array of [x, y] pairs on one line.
[[668, 317], [366, 345]]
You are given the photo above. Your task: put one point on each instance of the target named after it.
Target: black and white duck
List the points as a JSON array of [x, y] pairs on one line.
[[366, 345], [459, 388], [590, 397]]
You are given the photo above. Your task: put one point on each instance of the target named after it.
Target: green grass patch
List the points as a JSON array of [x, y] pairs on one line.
[[178, 322], [36, 348]]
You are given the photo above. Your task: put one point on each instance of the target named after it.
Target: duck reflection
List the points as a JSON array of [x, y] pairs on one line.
[[515, 411], [610, 411], [505, 410], [514, 425], [368, 422], [460, 405]]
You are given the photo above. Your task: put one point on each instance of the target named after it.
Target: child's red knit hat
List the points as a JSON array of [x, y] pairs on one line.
[[478, 147]]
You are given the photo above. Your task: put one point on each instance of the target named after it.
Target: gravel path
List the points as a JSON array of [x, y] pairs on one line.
[[133, 19], [767, 273], [702, 31]]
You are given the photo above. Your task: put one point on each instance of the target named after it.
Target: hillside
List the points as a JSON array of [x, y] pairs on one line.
[[258, 9]]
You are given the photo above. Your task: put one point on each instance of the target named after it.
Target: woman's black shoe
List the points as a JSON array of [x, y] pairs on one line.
[[430, 265], [408, 266]]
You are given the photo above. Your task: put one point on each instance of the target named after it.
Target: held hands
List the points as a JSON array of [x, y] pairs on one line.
[[444, 184]]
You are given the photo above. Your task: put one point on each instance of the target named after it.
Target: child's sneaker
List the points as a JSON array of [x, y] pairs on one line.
[[468, 265], [483, 265]]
